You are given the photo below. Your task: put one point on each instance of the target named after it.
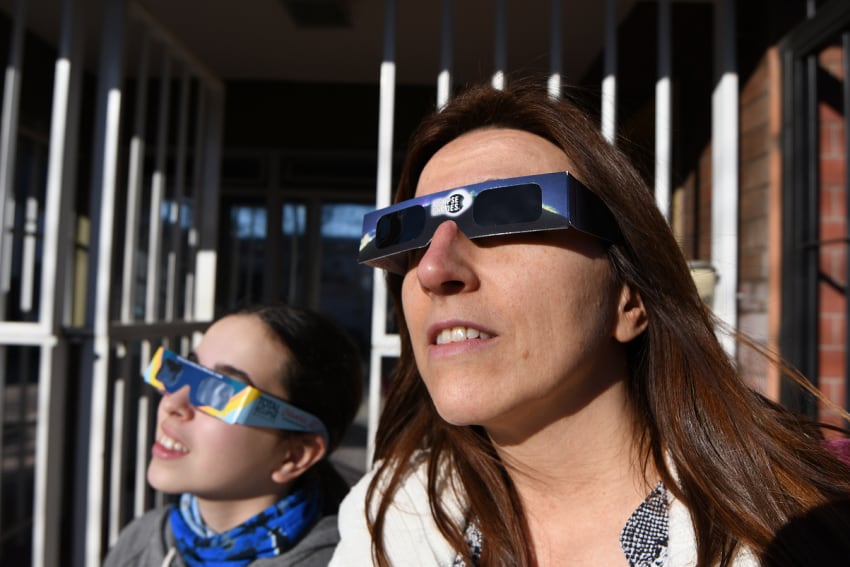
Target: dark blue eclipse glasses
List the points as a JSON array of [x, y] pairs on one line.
[[532, 203]]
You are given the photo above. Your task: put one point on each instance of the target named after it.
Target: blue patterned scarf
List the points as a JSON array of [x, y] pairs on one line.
[[268, 534]]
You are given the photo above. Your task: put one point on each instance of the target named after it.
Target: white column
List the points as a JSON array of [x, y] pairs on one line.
[[724, 172], [609, 80], [555, 46], [97, 350], [663, 111], [500, 46], [444, 79], [381, 341], [51, 432]]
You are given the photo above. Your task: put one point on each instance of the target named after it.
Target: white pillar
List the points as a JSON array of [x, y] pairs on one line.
[[381, 342], [663, 111], [724, 172], [609, 80]]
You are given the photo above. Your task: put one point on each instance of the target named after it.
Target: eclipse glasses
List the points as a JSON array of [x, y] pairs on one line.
[[531, 203], [226, 398]]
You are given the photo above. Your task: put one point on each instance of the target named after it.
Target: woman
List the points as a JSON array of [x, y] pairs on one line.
[[561, 397], [244, 428]]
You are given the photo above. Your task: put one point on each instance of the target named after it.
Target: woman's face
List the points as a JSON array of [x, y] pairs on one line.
[[198, 453], [533, 320]]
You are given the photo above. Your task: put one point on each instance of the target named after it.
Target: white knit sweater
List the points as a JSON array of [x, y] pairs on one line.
[[413, 539]]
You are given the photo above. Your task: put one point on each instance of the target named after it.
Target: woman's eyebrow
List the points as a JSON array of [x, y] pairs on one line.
[[225, 369]]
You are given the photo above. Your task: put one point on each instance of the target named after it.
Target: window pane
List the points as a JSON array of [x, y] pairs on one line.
[[346, 292]]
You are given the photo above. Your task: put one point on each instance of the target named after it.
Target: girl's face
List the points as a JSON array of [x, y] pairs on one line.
[[198, 453], [534, 322]]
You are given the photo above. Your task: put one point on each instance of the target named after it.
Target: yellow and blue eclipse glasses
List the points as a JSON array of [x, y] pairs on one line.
[[531, 203], [228, 399]]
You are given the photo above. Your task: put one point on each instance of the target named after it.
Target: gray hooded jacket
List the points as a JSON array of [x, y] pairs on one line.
[[148, 542]]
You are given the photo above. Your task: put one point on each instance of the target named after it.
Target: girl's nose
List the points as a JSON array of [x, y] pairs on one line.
[[177, 403], [446, 266]]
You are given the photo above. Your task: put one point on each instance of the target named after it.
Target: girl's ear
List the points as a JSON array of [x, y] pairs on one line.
[[631, 315], [303, 452]]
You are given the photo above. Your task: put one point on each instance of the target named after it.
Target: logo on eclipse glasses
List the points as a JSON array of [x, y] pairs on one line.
[[453, 205]]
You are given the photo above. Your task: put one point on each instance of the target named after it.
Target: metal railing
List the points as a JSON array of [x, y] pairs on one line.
[[76, 328]]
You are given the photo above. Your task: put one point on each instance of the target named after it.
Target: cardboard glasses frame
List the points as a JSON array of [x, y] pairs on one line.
[[226, 398], [531, 203]]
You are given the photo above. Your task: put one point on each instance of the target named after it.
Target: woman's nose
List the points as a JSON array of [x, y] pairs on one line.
[[177, 403], [446, 266]]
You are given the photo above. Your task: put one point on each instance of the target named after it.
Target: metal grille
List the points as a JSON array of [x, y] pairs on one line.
[[815, 334]]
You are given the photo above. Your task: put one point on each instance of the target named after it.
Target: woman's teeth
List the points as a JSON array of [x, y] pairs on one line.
[[171, 444], [457, 334]]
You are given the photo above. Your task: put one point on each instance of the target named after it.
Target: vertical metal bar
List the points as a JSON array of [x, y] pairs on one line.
[[194, 211], [274, 238], [500, 45], [609, 80], [444, 79], [51, 432], [175, 252], [555, 49], [8, 225], [294, 246], [19, 422], [724, 172], [152, 286], [143, 441], [663, 111], [30, 241], [811, 228], [116, 461], [845, 57], [274, 231], [385, 156], [97, 352], [134, 183], [314, 260], [250, 257], [8, 153], [9, 146], [235, 275], [205, 260]]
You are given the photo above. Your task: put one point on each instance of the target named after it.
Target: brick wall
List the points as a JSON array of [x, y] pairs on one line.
[[833, 254], [759, 213], [759, 218]]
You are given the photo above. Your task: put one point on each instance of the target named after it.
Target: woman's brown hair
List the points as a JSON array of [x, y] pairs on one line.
[[743, 465]]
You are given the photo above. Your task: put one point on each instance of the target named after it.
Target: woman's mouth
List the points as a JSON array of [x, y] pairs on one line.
[[458, 334]]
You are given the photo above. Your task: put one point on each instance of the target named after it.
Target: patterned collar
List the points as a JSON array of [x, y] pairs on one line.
[[643, 539]]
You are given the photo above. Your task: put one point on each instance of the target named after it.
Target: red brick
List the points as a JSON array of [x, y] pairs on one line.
[[831, 363], [832, 172], [831, 227], [757, 85], [830, 59], [755, 143], [831, 136], [756, 113], [831, 328], [831, 300]]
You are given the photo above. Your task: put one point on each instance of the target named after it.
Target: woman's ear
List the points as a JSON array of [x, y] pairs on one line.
[[303, 452], [631, 315]]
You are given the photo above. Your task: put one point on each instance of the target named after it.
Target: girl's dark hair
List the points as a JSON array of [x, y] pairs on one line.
[[743, 466], [325, 377]]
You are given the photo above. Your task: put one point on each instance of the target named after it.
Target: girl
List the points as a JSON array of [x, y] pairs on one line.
[[244, 428]]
